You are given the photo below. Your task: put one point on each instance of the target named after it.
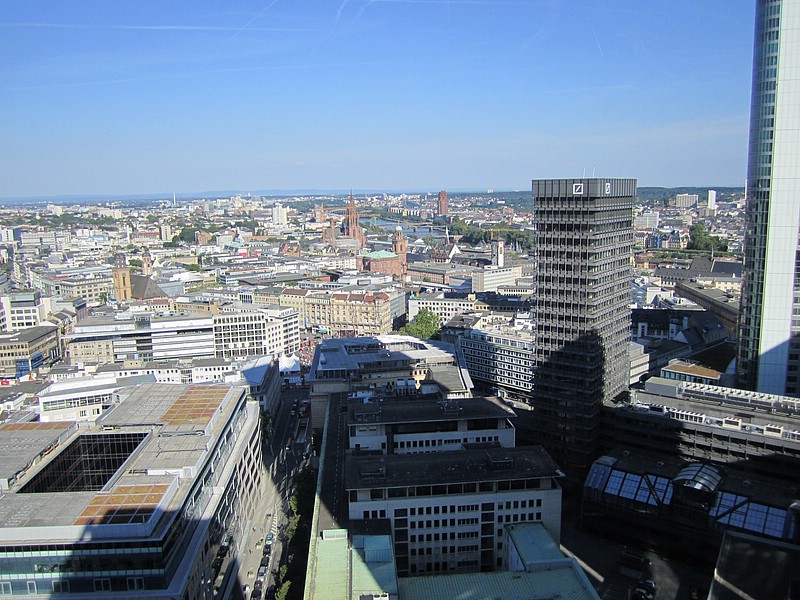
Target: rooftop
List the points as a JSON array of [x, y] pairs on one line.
[[490, 464], [153, 444], [415, 411]]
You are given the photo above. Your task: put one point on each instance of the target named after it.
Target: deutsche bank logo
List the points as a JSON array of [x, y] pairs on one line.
[[608, 187], [577, 189]]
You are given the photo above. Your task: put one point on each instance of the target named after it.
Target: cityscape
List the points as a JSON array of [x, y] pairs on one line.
[[579, 387]]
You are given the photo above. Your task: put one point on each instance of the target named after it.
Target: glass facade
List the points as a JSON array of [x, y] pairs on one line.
[[769, 349]]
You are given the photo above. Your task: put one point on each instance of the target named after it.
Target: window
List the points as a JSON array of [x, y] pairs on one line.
[[135, 583], [5, 587], [61, 586]]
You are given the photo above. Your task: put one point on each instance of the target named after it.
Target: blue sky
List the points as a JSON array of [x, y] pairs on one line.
[[101, 97]]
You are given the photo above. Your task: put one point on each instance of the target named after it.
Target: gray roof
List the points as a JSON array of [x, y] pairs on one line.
[[491, 464], [416, 411], [21, 443]]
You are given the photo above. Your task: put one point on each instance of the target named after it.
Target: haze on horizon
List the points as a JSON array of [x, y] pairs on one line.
[[150, 97]]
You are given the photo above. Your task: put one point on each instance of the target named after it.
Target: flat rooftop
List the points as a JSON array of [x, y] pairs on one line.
[[390, 351], [436, 468], [415, 411], [155, 442], [559, 582]]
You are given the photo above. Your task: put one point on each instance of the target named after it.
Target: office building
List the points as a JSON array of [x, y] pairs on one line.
[[498, 349], [154, 501], [769, 336], [23, 352], [584, 238], [441, 204], [447, 509]]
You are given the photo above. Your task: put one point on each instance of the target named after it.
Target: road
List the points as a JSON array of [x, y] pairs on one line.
[[281, 459]]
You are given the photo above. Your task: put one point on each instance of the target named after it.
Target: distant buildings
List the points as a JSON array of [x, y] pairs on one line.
[[769, 338], [441, 205], [686, 200]]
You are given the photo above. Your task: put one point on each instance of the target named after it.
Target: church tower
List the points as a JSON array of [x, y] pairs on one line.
[[351, 228], [121, 275], [147, 263], [400, 247]]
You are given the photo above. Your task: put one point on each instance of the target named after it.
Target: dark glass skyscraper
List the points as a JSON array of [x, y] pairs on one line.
[[584, 239], [769, 350]]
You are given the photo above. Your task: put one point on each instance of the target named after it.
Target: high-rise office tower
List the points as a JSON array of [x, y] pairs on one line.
[[582, 319], [769, 342], [441, 204]]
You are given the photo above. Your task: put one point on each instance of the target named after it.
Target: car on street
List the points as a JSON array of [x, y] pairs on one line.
[[269, 539], [645, 589], [265, 560]]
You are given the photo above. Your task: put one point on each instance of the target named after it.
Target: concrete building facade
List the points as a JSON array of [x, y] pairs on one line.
[[584, 239]]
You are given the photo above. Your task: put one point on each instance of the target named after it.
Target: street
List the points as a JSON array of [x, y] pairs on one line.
[[281, 458]]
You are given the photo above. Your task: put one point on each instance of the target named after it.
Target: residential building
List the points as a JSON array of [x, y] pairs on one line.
[[769, 336], [584, 239], [686, 200]]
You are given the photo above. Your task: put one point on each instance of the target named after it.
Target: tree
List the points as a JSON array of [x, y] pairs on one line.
[[424, 326], [700, 239]]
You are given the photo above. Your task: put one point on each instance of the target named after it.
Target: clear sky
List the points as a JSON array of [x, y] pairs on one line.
[[126, 97]]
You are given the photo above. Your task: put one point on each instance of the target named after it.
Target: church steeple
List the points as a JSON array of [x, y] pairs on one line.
[[350, 227]]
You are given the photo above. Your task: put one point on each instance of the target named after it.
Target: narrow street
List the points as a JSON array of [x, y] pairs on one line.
[[281, 458]]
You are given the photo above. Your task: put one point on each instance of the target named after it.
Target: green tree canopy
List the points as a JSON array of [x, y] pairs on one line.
[[424, 326], [700, 239]]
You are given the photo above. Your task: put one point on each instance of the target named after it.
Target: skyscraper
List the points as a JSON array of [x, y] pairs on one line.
[[441, 204], [769, 347], [584, 238]]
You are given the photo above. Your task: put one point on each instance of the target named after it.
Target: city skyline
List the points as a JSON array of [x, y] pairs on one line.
[[372, 95]]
